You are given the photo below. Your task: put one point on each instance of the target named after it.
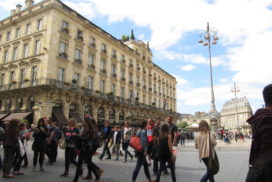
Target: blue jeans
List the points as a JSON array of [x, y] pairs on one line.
[[207, 176]]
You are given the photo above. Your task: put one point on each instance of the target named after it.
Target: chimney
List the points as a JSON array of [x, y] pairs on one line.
[[18, 8], [12, 12], [29, 3]]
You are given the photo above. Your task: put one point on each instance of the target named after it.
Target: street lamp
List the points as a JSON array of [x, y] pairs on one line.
[[211, 38], [235, 89]]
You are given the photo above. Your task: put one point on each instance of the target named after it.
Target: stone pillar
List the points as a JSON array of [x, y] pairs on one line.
[[66, 108], [24, 103], [107, 115], [36, 114], [94, 111], [117, 116]]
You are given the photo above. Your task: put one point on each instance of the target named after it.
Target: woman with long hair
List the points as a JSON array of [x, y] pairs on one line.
[[141, 161], [166, 152], [10, 144], [85, 141], [95, 147], [70, 133], [126, 138], [39, 145], [202, 143]]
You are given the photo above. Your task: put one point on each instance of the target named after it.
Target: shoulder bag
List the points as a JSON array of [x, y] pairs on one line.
[[213, 163], [62, 142]]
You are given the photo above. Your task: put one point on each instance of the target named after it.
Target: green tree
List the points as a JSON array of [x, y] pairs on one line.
[[124, 38], [184, 124]]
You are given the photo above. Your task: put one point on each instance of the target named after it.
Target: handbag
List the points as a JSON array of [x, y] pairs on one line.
[[135, 142], [62, 143], [213, 162]]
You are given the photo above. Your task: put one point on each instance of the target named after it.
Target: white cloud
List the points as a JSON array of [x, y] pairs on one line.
[[85, 8], [244, 26], [188, 67], [141, 36], [180, 80], [202, 96], [223, 80]]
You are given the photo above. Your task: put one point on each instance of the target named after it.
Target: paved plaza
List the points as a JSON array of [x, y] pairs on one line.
[[233, 162]]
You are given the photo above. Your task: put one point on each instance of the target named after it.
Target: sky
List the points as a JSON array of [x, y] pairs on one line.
[[173, 29]]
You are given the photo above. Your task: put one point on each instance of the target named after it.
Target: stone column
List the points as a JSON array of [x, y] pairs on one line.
[[94, 111], [36, 114], [66, 108]]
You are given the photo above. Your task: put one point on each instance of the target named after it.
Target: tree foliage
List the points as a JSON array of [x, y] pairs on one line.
[[184, 124], [125, 38]]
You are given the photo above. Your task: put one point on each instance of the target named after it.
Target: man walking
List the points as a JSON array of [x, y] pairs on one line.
[[106, 134], [260, 160]]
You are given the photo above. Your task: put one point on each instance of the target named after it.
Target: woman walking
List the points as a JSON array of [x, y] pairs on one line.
[[141, 161], [126, 139], [166, 152], [95, 147], [202, 143], [39, 145], [10, 144], [71, 132], [86, 149]]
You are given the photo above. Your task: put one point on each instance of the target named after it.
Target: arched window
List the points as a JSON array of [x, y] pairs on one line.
[[58, 106], [31, 102], [88, 110], [121, 116], [112, 115], [9, 104], [74, 108], [20, 103], [101, 114]]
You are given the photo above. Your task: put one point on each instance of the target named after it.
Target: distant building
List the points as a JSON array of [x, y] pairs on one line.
[[196, 118], [234, 114]]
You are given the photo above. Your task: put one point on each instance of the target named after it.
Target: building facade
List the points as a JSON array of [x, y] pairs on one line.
[[235, 113], [56, 63], [195, 118]]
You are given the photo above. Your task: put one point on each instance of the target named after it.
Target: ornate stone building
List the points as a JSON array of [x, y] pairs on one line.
[[234, 114], [196, 118], [56, 63]]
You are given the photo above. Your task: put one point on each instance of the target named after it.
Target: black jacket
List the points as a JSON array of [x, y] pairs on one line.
[[11, 140], [261, 147], [40, 139], [118, 137]]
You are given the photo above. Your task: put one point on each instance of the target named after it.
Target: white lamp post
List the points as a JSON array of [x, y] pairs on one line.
[[211, 37]]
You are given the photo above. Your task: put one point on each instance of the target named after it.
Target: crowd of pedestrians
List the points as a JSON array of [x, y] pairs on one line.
[[158, 140]]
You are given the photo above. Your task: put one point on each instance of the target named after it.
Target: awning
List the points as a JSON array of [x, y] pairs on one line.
[[3, 115], [76, 117], [59, 116], [194, 126], [21, 115]]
